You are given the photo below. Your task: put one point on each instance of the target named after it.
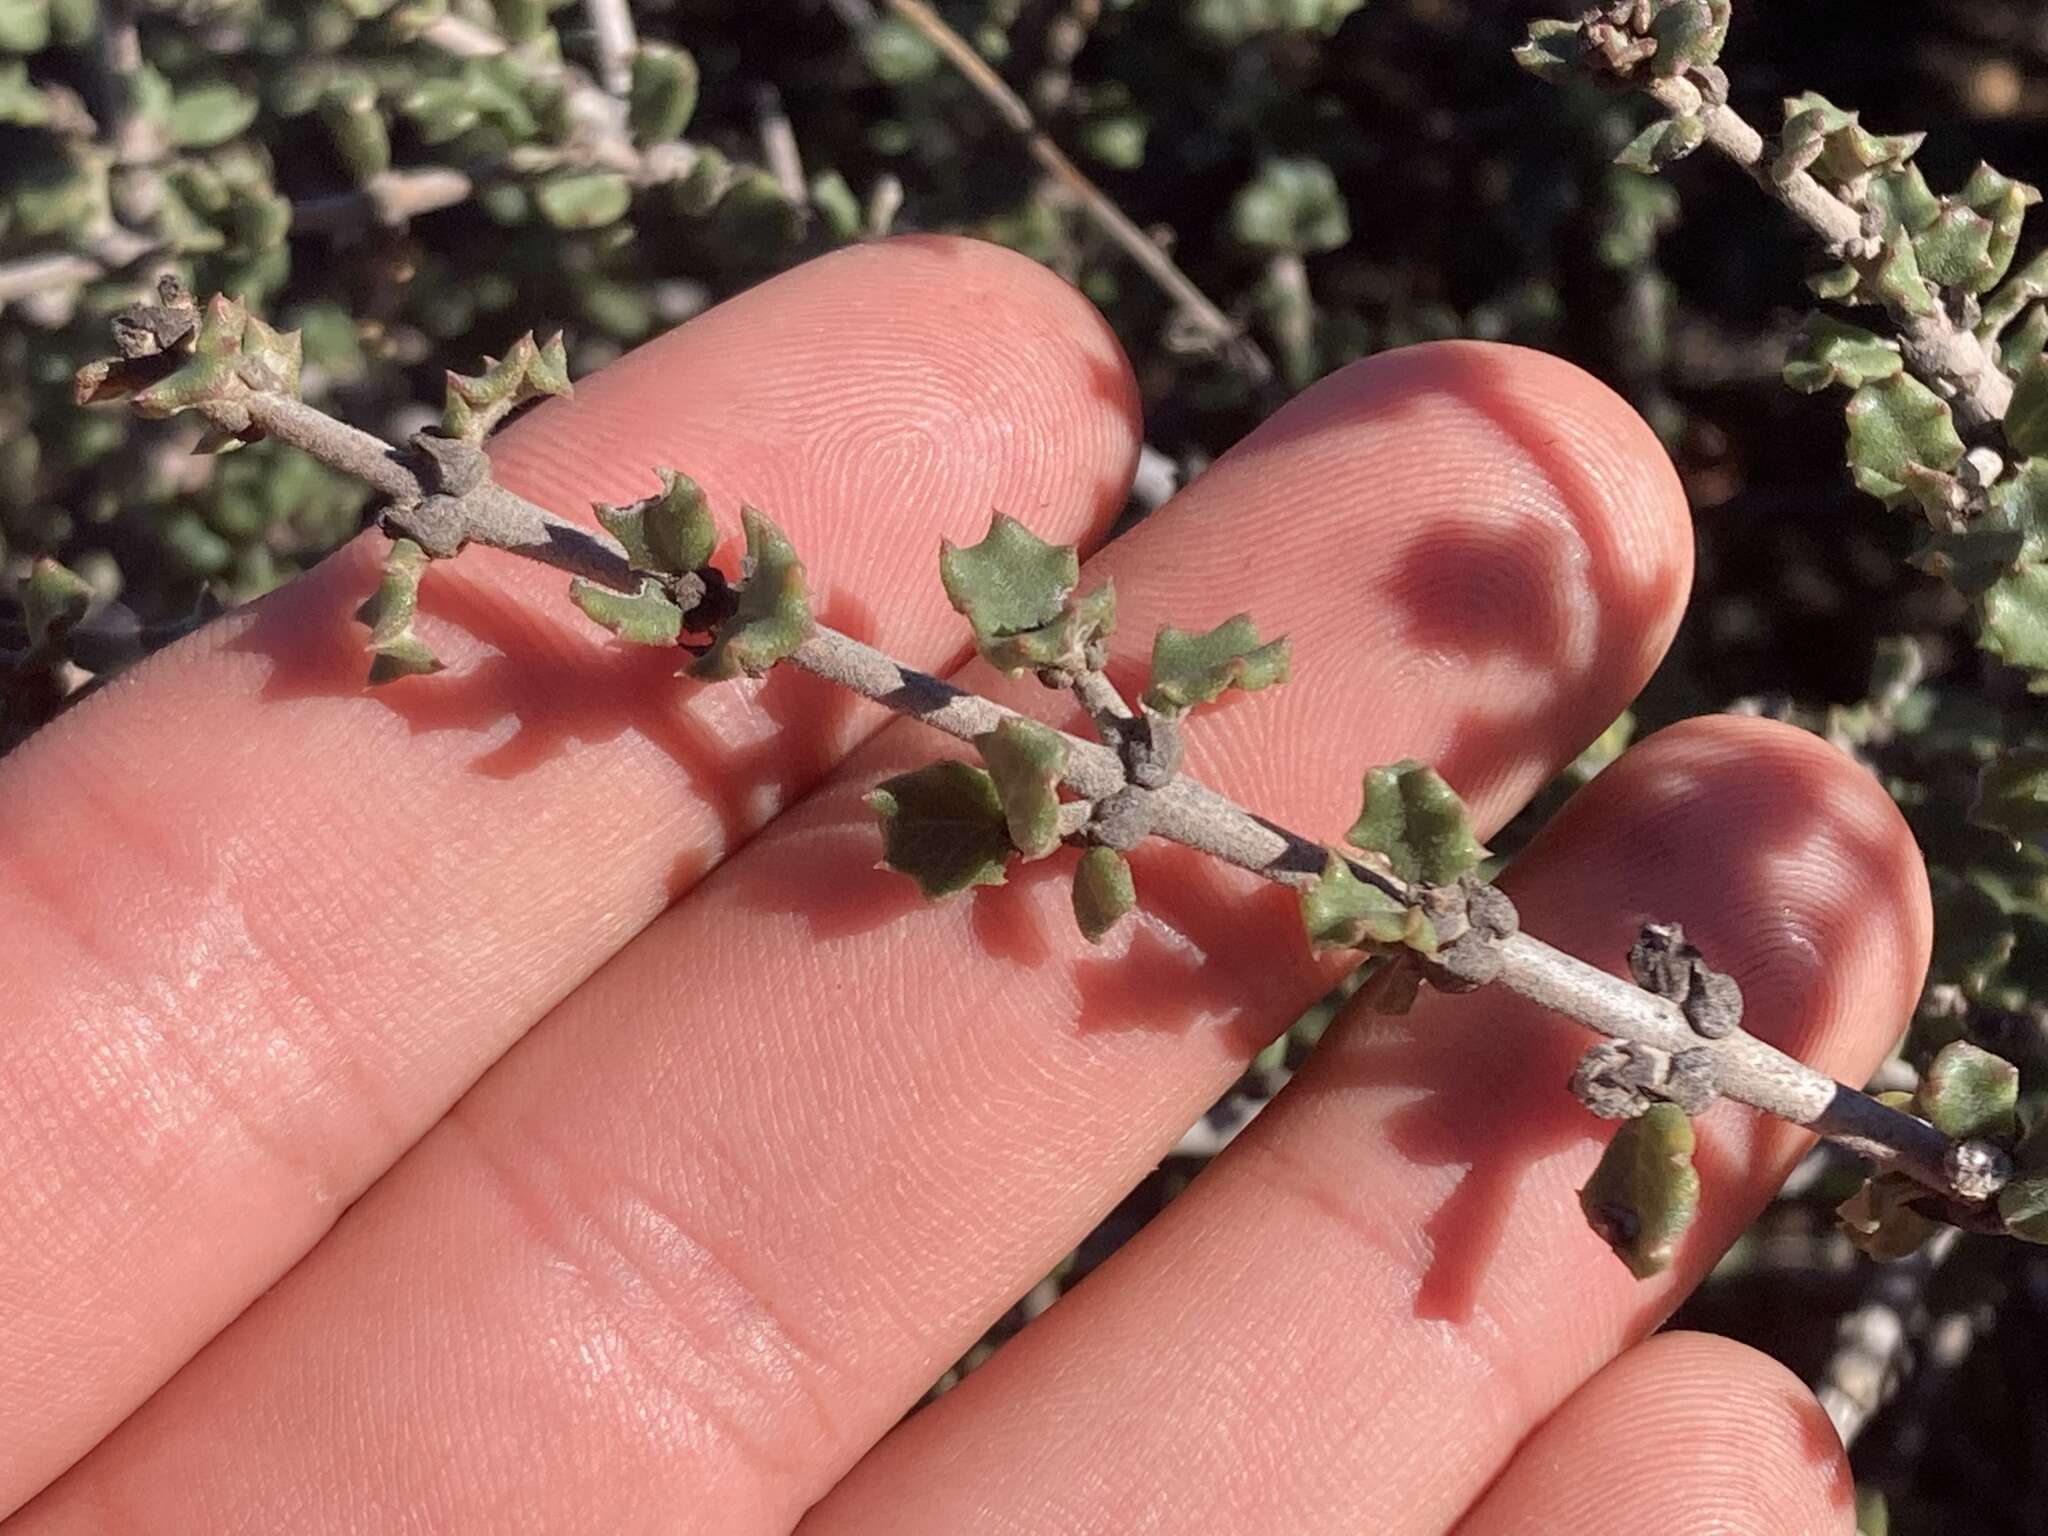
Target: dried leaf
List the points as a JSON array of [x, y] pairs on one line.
[[1880, 1220]]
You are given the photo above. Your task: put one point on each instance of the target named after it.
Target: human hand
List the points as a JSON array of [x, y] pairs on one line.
[[775, 1143]]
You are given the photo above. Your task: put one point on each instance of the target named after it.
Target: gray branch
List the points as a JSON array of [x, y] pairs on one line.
[[1183, 811], [1941, 351]]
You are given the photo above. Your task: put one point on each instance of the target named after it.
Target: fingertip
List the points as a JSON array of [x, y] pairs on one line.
[[1684, 1432], [1798, 875], [912, 360]]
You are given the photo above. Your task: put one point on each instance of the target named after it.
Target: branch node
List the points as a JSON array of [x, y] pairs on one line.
[[1977, 1169], [1663, 963], [1122, 820], [1621, 1079]]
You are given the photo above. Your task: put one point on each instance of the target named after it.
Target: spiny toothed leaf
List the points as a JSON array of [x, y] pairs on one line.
[[2004, 201], [663, 94], [1011, 582], [1894, 423], [1103, 892], [2013, 615], [1026, 760], [1901, 285], [1968, 1092], [2012, 795], [646, 617], [1828, 352], [1880, 1220], [2018, 348], [943, 826], [529, 370], [1955, 250], [1417, 823], [395, 651], [1664, 142], [2023, 1203], [1017, 592], [53, 600], [1553, 50], [2026, 419], [1833, 145], [1904, 199], [772, 614], [670, 532], [1190, 669], [2013, 295], [1644, 1192], [1689, 34], [1341, 911]]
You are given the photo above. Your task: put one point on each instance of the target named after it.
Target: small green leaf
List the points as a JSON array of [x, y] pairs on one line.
[[773, 613], [1341, 911], [1017, 592], [2012, 795], [1103, 892], [1955, 250], [2013, 613], [943, 826], [209, 115], [583, 199], [529, 370], [646, 617], [1832, 144], [53, 600], [395, 651], [670, 532], [1880, 1220], [1644, 1192], [1417, 822], [2004, 202], [348, 109], [1968, 1092], [1026, 760], [1664, 142], [1827, 352], [1895, 422], [1873, 1518], [1190, 669], [663, 95], [2026, 419], [2013, 295], [1689, 34], [1553, 50], [2018, 348], [1291, 206], [1905, 199], [2023, 1203], [1012, 581]]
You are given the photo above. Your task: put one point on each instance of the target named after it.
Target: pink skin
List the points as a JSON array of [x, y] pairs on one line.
[[679, 1260]]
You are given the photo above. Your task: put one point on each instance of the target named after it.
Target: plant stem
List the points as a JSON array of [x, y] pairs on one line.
[[1216, 328], [1184, 811], [1940, 350]]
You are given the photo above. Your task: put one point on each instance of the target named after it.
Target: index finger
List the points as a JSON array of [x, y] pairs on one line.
[[263, 927]]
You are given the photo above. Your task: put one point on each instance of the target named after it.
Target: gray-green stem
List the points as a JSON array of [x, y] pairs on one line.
[[1185, 811]]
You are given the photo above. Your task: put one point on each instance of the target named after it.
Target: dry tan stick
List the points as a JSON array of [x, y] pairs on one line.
[[1215, 327]]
